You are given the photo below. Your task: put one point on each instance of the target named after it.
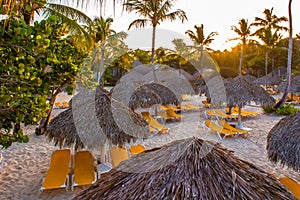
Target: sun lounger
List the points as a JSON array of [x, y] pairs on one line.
[[84, 169], [210, 114], [153, 122], [58, 105], [292, 185], [224, 115], [171, 113], [118, 154], [227, 126], [236, 109], [171, 107], [206, 104], [185, 108], [208, 124], [57, 174], [185, 98], [136, 149], [164, 115], [192, 106]]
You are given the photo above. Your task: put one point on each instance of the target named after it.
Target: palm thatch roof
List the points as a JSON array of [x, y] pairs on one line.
[[239, 91], [142, 69], [272, 78], [166, 95], [249, 77], [283, 142], [93, 120], [112, 115], [144, 97], [132, 76], [186, 169], [63, 132], [294, 87], [125, 92]]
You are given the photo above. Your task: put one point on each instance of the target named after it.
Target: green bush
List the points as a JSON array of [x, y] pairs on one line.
[[287, 109], [268, 109]]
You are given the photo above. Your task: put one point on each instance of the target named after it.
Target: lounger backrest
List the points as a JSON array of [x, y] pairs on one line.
[[118, 154], [136, 149], [84, 168], [59, 166]]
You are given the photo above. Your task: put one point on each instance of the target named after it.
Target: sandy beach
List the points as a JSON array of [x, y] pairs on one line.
[[26, 164]]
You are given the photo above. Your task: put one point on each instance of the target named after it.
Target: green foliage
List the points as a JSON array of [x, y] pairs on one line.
[[287, 109], [34, 62], [268, 109]]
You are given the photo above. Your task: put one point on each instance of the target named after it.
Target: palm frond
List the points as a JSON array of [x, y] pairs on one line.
[[139, 23], [173, 15], [69, 12]]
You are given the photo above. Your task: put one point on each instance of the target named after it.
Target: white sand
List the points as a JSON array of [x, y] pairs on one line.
[[26, 164]]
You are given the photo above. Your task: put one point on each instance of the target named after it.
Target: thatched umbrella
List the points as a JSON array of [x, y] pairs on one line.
[[142, 69], [186, 169], [283, 142], [144, 97], [294, 87], [63, 132], [124, 92], [94, 119], [272, 78], [166, 95], [249, 77], [239, 91], [132, 76]]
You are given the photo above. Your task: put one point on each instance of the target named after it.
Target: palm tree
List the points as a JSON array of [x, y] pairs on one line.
[[289, 62], [271, 42], [154, 12], [200, 41], [100, 31], [244, 32], [271, 21], [267, 25]]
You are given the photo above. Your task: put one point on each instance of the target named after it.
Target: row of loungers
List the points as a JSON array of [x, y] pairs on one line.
[[222, 128], [82, 170]]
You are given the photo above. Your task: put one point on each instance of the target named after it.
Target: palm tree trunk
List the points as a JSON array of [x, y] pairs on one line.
[[289, 62], [241, 62], [152, 53], [239, 125], [101, 69], [266, 63], [201, 59]]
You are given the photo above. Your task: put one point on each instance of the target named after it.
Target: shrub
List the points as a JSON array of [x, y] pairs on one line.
[[268, 109], [287, 109]]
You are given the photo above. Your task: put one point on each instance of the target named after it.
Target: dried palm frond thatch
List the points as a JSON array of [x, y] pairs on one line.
[[239, 91], [283, 142], [294, 87], [143, 97], [166, 95], [132, 76], [272, 78], [94, 120], [62, 131], [142, 69], [111, 117], [249, 77], [186, 169]]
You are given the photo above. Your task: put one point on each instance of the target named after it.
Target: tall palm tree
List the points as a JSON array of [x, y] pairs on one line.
[[266, 26], [200, 41], [244, 32], [154, 12], [101, 31], [270, 21], [271, 42], [289, 62]]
